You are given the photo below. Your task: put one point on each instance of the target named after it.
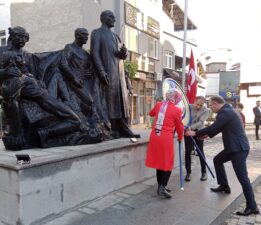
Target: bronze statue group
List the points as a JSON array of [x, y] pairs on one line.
[[65, 97]]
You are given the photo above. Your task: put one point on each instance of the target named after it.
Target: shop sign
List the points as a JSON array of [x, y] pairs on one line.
[[134, 17], [229, 94], [153, 27]]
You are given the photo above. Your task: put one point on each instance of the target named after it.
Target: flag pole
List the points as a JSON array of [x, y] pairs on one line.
[[184, 45], [180, 169]]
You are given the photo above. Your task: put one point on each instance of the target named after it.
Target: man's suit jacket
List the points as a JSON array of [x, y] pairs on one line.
[[228, 122], [257, 113]]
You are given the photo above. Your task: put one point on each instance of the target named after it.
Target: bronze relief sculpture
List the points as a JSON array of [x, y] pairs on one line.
[[65, 97]]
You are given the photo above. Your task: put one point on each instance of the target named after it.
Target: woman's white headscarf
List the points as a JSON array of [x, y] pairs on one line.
[[172, 95]]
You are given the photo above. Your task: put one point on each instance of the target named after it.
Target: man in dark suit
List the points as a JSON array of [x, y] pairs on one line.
[[257, 120], [236, 149]]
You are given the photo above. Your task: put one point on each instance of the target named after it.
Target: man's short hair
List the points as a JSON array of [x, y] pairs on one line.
[[201, 98], [240, 105], [218, 99]]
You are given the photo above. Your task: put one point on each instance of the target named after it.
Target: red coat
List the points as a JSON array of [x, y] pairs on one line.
[[160, 153]]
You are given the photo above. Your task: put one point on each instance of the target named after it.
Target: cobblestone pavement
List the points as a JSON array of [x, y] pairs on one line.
[[212, 147]]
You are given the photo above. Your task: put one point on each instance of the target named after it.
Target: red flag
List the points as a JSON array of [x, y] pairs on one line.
[[192, 83]]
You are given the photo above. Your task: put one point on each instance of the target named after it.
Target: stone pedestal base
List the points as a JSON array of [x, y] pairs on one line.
[[62, 178]]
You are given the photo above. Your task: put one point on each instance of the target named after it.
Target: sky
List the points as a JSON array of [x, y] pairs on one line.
[[225, 23]]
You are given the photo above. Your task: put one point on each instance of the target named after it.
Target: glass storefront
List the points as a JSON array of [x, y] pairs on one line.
[[142, 100]]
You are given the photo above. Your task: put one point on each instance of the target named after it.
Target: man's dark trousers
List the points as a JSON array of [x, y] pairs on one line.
[[189, 146], [238, 160], [256, 131]]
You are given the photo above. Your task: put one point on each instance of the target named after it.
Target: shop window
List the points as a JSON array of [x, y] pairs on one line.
[[153, 47], [2, 38], [131, 38], [135, 86], [169, 59]]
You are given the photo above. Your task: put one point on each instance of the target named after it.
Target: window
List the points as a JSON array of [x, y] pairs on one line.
[[169, 59], [131, 38], [153, 45], [2, 38]]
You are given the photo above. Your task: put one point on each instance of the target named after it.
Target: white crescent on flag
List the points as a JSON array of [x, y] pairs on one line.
[[193, 77]]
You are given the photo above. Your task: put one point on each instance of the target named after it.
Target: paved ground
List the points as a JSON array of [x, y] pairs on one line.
[[213, 146], [138, 204]]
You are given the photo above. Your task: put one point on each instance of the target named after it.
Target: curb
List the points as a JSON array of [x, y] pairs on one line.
[[226, 213]]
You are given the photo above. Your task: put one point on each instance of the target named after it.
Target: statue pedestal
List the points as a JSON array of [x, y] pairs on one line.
[[61, 178]]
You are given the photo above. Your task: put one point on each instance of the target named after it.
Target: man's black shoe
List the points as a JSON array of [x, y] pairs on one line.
[[204, 177], [221, 188], [248, 212], [188, 177], [163, 192]]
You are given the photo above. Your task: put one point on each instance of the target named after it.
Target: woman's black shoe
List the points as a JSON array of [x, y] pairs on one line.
[[221, 188], [163, 193], [168, 190], [248, 212]]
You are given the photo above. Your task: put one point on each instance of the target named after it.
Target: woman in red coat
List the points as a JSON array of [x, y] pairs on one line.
[[160, 153]]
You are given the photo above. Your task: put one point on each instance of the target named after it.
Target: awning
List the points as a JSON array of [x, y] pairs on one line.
[[177, 15], [179, 60], [175, 75]]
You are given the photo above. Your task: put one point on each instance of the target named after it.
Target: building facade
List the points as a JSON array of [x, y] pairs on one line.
[[5, 21], [145, 27]]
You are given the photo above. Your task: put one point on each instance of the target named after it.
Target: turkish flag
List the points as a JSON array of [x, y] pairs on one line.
[[192, 83]]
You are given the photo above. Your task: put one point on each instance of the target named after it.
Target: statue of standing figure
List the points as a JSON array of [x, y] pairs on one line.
[[108, 54], [80, 75]]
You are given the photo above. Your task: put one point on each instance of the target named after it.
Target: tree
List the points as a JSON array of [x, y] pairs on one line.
[[131, 68]]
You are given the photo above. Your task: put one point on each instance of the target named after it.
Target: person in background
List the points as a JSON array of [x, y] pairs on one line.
[[240, 108], [160, 153], [236, 150], [199, 114], [257, 120]]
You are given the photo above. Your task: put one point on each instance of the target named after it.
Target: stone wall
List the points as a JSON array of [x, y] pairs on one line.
[[58, 179]]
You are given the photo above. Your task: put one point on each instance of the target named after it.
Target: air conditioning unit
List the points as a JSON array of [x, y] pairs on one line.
[[158, 76]]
